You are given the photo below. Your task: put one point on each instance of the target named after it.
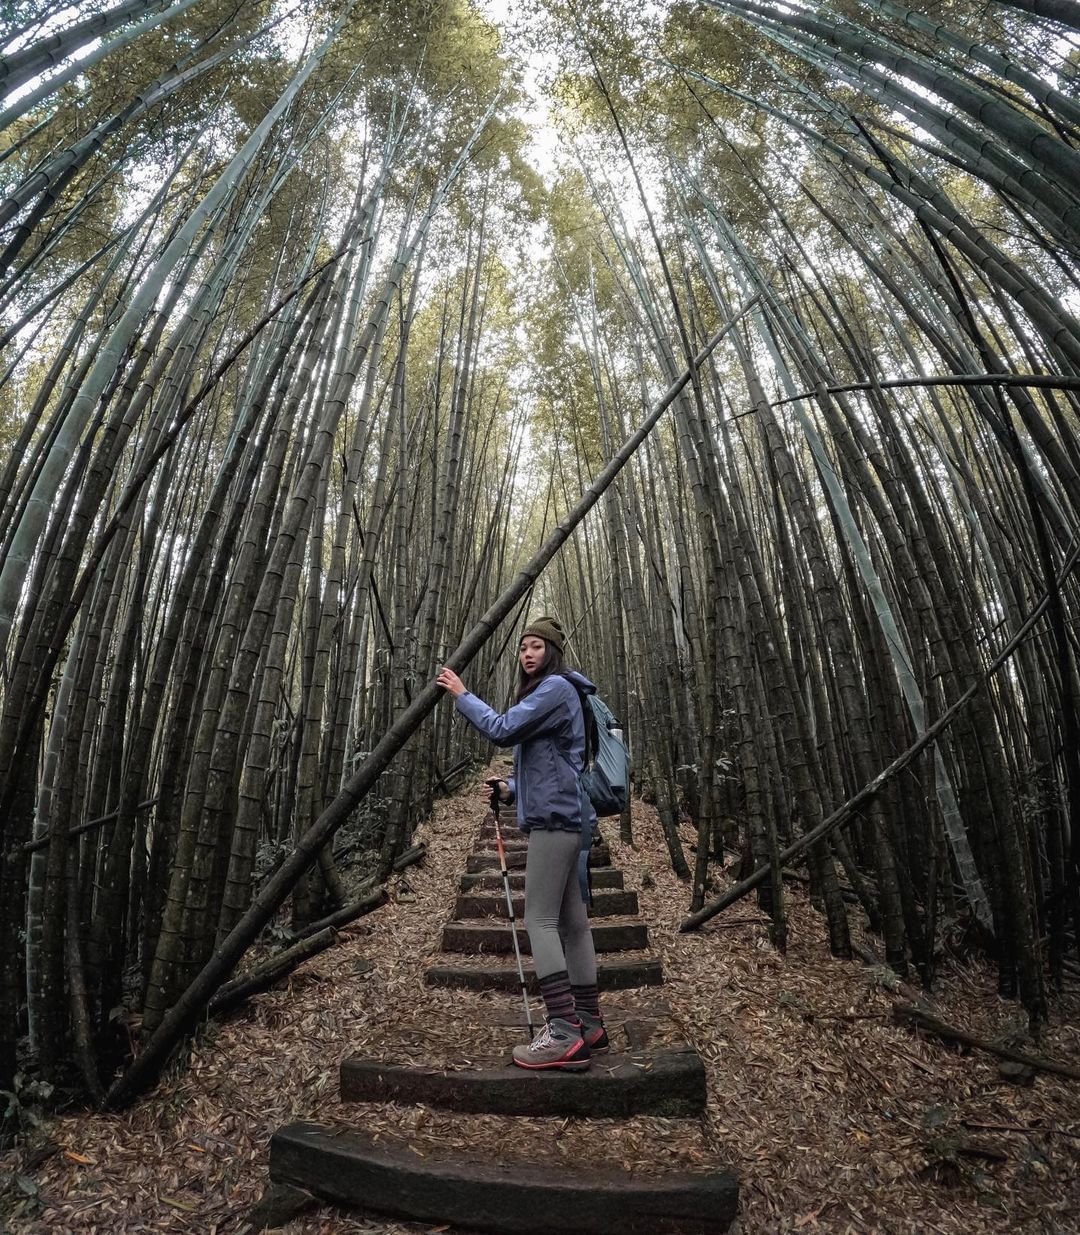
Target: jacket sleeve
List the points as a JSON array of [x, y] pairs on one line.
[[510, 796], [524, 720]]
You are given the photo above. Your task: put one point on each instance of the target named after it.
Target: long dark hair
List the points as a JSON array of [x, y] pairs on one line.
[[552, 663]]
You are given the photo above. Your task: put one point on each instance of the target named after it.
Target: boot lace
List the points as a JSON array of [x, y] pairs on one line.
[[542, 1039]]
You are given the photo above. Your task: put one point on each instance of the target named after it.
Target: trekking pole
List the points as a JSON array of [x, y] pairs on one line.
[[509, 902]]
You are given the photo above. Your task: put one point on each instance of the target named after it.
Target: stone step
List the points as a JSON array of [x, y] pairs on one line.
[[637, 1021], [493, 905], [600, 876], [497, 938], [354, 1170], [611, 975], [511, 844], [510, 831], [618, 1085], [515, 859]]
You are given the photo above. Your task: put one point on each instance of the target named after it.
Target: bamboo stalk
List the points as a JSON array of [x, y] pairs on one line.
[[870, 790], [1032, 381]]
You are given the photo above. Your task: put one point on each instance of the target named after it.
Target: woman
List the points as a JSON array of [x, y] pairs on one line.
[[546, 727]]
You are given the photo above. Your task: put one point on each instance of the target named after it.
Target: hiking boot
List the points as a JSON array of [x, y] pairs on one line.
[[558, 1045], [594, 1033]]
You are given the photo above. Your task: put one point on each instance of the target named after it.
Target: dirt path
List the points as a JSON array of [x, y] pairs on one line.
[[834, 1119]]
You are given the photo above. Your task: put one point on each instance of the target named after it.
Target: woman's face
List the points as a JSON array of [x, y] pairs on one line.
[[531, 653]]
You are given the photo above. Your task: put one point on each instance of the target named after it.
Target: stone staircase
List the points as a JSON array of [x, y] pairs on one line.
[[527, 1187]]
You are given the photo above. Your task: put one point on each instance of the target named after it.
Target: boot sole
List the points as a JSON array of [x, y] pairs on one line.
[[573, 1065]]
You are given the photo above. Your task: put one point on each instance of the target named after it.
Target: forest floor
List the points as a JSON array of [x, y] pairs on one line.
[[834, 1119]]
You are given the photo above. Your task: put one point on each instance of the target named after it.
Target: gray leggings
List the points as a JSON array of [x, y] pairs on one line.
[[555, 914]]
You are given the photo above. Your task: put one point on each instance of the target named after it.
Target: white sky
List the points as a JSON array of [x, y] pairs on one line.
[[545, 143]]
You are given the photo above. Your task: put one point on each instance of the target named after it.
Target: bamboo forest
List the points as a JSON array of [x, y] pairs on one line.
[[737, 343]]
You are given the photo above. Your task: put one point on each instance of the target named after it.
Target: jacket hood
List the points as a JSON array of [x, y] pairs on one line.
[[580, 681]]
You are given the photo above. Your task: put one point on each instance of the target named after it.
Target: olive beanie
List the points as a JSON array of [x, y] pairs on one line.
[[548, 629]]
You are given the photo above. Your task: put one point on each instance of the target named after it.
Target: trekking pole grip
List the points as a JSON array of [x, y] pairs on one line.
[[494, 783]]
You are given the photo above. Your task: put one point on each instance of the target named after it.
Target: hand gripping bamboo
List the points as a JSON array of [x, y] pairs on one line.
[[510, 902]]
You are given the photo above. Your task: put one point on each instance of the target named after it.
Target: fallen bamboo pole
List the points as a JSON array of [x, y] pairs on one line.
[[921, 1018], [309, 942], [358, 908], [272, 970]]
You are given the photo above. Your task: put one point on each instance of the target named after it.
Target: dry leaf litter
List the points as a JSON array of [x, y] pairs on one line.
[[833, 1119]]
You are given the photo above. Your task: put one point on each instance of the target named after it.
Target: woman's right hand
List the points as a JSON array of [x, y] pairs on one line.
[[489, 789], [450, 681]]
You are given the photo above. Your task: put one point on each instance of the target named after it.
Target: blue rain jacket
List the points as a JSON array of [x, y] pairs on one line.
[[547, 731]]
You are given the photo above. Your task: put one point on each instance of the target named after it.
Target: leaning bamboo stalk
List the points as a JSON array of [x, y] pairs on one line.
[[19, 475], [1002, 66], [22, 65], [46, 182], [183, 1015], [77, 594], [1067, 12], [894, 638], [105, 48], [1031, 381], [1038, 147], [933, 208], [960, 142]]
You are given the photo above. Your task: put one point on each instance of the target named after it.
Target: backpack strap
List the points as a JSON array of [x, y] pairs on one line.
[[592, 740], [584, 874]]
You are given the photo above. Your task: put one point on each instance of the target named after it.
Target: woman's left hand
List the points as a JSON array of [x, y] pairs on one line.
[[450, 681]]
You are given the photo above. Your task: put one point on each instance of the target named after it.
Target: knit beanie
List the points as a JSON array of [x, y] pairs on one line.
[[548, 629]]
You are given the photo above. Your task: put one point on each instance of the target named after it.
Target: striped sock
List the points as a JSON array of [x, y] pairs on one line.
[[555, 991], [586, 999]]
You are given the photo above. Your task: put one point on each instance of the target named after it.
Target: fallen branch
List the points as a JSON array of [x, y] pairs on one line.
[[1032, 381], [35, 846], [410, 856], [347, 913], [919, 1018], [979, 1149], [270, 971], [844, 1016], [1026, 1129], [744, 922], [874, 787], [839, 816], [309, 942]]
